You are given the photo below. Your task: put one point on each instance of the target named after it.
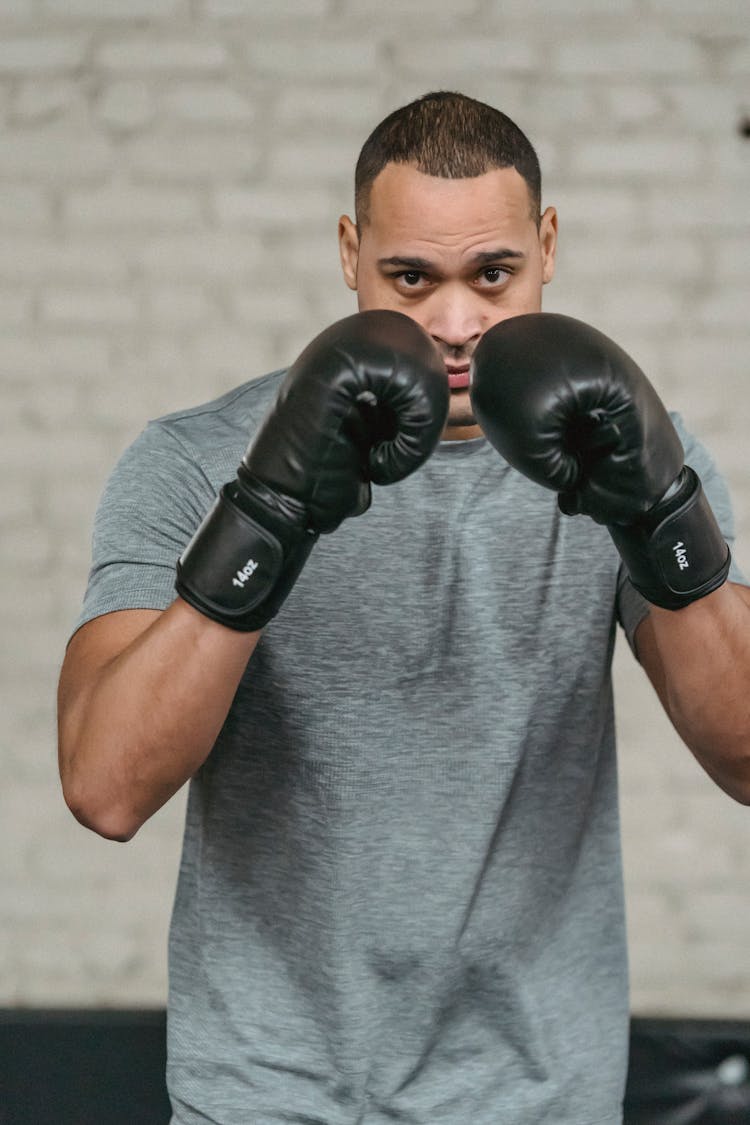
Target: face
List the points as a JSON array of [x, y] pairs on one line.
[[457, 256]]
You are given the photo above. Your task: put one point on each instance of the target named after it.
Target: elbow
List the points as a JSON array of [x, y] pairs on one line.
[[740, 794], [106, 822], [733, 779], [741, 791], [90, 790], [97, 811]]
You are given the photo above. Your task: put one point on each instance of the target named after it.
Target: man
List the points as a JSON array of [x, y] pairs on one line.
[[400, 895]]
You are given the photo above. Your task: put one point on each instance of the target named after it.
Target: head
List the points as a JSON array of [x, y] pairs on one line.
[[449, 229]]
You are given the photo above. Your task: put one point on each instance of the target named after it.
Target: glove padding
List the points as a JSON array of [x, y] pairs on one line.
[[366, 401], [572, 411]]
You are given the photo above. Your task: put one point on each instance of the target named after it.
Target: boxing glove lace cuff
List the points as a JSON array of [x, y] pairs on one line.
[[241, 563], [675, 554]]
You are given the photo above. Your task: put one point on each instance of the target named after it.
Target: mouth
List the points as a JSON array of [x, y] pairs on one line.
[[458, 377]]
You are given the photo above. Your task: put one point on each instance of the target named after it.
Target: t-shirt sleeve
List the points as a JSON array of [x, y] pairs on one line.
[[631, 607], [154, 500]]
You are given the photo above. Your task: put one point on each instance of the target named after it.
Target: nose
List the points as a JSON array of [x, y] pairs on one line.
[[455, 319]]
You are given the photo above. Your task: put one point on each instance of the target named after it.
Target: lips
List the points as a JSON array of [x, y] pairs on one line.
[[458, 377]]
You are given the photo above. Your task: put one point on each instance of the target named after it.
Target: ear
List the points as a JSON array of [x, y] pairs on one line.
[[348, 250], [548, 243]]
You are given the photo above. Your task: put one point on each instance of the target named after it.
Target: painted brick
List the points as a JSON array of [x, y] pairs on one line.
[[606, 259], [728, 308], [279, 308], [35, 356], [232, 354], [12, 11], [299, 10], [310, 255], [555, 106], [709, 106], [732, 255], [25, 448], [456, 58], [171, 172], [327, 160], [126, 105], [544, 10], [125, 205], [635, 105], [29, 543], [32, 257], [54, 153], [177, 305], [112, 9], [638, 158], [262, 207], [649, 53], [728, 155], [210, 103], [332, 302], [699, 205], [347, 104], [41, 54], [135, 54], [721, 353], [718, 18], [738, 55], [88, 306], [200, 255], [44, 99], [15, 307], [598, 205], [410, 10], [166, 155], [315, 57]]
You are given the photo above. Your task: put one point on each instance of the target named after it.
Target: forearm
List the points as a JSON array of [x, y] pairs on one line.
[[134, 731], [704, 653]]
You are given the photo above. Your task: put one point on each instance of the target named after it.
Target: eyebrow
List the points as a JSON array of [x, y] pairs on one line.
[[480, 259]]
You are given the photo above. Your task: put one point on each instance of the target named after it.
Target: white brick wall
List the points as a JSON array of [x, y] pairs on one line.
[[171, 173]]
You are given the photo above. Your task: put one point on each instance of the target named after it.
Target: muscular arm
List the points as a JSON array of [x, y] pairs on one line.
[[142, 698], [698, 660], [144, 695]]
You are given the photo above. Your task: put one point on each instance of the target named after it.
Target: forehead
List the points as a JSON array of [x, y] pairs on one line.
[[407, 204]]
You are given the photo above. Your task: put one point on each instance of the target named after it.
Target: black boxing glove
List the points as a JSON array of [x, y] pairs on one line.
[[367, 400], [571, 410]]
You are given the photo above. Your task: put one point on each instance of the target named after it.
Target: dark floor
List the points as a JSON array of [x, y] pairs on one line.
[[107, 1068]]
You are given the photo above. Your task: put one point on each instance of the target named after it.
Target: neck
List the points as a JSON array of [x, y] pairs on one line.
[[461, 433]]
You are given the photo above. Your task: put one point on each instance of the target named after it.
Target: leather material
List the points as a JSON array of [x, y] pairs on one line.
[[366, 401], [571, 410], [676, 553], [238, 568]]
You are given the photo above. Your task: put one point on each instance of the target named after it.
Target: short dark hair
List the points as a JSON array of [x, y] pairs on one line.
[[450, 135]]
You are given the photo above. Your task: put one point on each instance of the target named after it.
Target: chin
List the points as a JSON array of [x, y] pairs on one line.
[[460, 413]]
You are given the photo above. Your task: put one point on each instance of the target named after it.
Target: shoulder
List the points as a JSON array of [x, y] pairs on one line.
[[205, 440], [231, 417]]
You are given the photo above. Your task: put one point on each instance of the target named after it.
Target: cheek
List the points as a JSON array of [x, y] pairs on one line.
[[372, 292]]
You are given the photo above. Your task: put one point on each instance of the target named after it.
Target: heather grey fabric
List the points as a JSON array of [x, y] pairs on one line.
[[400, 896]]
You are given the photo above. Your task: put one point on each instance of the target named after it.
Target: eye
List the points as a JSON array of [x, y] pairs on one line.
[[413, 282], [494, 276]]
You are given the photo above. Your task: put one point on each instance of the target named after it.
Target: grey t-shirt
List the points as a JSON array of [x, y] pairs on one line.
[[400, 896]]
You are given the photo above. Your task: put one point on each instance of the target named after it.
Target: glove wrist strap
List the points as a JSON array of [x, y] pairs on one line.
[[675, 554], [243, 560]]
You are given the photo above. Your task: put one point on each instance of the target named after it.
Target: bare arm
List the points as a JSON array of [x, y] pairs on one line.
[[698, 659], [142, 698]]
